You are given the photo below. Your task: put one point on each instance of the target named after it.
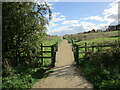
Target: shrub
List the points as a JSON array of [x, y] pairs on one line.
[[103, 70]]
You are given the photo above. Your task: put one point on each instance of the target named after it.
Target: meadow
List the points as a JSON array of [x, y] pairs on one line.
[[99, 37]]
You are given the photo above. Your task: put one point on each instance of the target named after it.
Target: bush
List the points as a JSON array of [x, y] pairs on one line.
[[103, 70]]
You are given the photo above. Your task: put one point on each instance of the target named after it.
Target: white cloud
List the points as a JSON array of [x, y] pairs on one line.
[[98, 18], [80, 0], [51, 25], [51, 0], [70, 22], [55, 14], [62, 16], [57, 19], [88, 26], [111, 14], [65, 30], [73, 28], [77, 26]]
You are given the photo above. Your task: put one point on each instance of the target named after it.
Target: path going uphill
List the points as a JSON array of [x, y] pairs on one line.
[[64, 75]]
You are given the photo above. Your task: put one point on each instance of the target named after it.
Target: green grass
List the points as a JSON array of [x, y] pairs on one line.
[[111, 32], [102, 70], [52, 41], [48, 42], [92, 36], [24, 76], [99, 41]]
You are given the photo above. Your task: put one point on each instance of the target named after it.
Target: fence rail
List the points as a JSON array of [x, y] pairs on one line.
[[76, 48], [54, 49]]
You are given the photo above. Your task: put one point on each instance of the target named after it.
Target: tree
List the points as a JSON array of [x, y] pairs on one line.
[[24, 25]]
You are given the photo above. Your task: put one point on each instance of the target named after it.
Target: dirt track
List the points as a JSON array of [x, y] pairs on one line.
[[64, 75]]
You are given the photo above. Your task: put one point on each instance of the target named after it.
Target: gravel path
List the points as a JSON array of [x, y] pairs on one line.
[[64, 75]]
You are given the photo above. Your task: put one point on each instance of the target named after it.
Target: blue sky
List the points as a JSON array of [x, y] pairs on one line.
[[75, 17], [76, 10]]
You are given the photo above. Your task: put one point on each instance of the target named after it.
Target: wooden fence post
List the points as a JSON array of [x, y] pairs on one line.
[[55, 54], [42, 53], [93, 47], [74, 52], [56, 45], [52, 56], [72, 44], [85, 50], [77, 55]]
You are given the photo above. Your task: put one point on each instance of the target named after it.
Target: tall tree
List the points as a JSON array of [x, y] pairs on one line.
[[24, 25]]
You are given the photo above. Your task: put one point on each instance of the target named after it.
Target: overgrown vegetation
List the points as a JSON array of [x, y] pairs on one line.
[[24, 28], [103, 70]]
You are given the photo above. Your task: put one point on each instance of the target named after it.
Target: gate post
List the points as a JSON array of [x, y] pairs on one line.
[[52, 56], [77, 55], [85, 51], [74, 52], [55, 50], [56, 45], [42, 53], [72, 44]]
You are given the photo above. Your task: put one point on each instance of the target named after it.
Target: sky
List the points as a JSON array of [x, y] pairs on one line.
[[76, 17]]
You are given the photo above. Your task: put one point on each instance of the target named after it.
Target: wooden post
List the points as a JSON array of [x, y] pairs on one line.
[[77, 55], [54, 52], [92, 47], [52, 56], [56, 45], [74, 51], [72, 45], [85, 50], [42, 53]]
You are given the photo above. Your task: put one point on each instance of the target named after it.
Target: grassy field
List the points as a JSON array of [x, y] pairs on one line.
[[99, 41], [50, 40], [100, 38], [94, 37]]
